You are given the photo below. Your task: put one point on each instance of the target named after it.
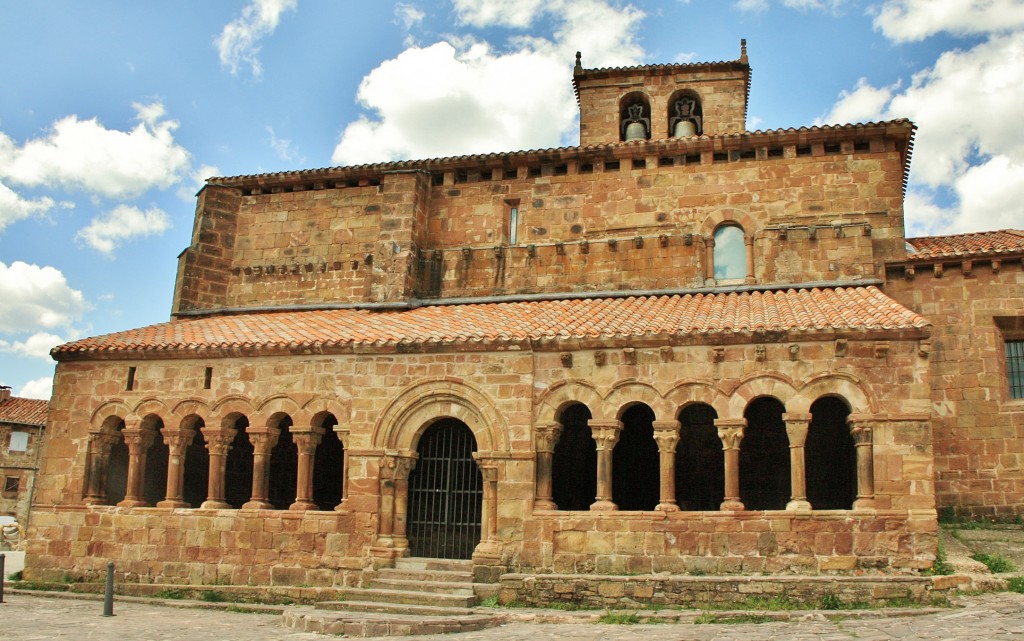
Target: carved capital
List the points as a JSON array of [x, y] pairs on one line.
[[394, 466], [219, 442], [545, 437], [138, 439], [606, 433], [666, 434], [101, 442], [730, 431], [796, 427], [177, 440], [306, 442]]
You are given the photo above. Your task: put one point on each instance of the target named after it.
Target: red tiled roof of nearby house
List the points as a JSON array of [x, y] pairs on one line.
[[814, 309], [24, 411], [961, 245]]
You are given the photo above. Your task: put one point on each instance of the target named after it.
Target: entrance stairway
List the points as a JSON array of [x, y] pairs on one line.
[[417, 596]]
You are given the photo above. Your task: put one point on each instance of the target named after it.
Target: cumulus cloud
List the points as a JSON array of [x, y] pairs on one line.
[[85, 155], [505, 13], [40, 388], [13, 207], [408, 15], [108, 232], [464, 96], [37, 297], [239, 42], [37, 345], [911, 20], [196, 181], [284, 148]]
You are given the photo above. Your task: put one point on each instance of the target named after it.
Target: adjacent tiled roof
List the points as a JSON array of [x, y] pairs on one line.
[[964, 245], [25, 411], [814, 309]]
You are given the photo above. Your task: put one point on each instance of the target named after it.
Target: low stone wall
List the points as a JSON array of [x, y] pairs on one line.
[[605, 591]]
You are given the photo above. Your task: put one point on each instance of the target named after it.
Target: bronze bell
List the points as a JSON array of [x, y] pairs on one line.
[[685, 129], [636, 131]]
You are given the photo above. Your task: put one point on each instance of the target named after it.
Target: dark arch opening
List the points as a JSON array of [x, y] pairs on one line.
[[238, 467], [685, 106], [154, 481], [328, 467], [284, 467], [700, 460], [764, 457], [635, 464], [574, 461], [196, 481], [445, 493], [830, 456], [117, 469], [635, 112]]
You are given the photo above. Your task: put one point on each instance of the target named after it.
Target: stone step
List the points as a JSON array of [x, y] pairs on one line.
[[449, 576], [407, 597], [408, 609], [369, 624], [412, 585], [422, 563]]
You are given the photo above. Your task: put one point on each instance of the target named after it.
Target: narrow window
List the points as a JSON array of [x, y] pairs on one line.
[[11, 484], [131, 379], [730, 253], [513, 224], [19, 442], [208, 378], [1015, 367]]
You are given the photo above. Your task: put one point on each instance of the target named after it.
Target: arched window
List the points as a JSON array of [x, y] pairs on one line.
[[328, 465], [284, 464], [238, 469], [196, 478], [634, 117], [730, 256], [635, 464], [154, 483], [574, 461], [831, 457], [764, 457], [700, 460], [116, 486], [686, 114]]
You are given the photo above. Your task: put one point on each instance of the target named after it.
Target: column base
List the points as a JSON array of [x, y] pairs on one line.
[[257, 505], [732, 505], [544, 504], [667, 507], [303, 505], [798, 505], [215, 505], [603, 505], [864, 504], [173, 503], [133, 503]]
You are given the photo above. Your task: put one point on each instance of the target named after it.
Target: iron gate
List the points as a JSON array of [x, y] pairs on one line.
[[445, 494]]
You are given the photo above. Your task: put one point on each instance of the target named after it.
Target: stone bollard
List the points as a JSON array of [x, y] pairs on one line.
[[108, 593]]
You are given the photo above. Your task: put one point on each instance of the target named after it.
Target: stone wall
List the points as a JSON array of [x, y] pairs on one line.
[[979, 429]]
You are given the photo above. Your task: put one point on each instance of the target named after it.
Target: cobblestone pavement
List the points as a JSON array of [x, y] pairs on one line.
[[989, 617]]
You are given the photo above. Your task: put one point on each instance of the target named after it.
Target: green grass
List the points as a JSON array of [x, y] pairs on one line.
[[241, 609], [1016, 584], [212, 596], [619, 618], [15, 576], [708, 618], [995, 562], [758, 603], [940, 567], [171, 593]]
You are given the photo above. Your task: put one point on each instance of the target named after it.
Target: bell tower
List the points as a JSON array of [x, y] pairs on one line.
[[655, 102]]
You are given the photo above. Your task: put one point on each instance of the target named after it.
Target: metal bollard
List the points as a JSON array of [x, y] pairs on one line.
[[108, 593], [3, 576]]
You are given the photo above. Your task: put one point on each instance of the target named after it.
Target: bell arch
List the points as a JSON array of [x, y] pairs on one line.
[[685, 114], [635, 116], [402, 422]]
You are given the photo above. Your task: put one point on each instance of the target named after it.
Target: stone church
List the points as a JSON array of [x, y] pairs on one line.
[[679, 347]]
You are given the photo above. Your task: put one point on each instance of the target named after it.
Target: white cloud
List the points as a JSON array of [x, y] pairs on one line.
[[911, 20], [14, 208], [752, 5], [36, 297], [864, 104], [40, 388], [408, 15], [122, 224], [284, 148], [238, 43], [504, 13], [197, 180], [83, 154], [462, 96], [37, 345]]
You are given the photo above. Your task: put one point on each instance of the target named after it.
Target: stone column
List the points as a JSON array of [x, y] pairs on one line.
[[863, 440], [405, 465], [343, 436], [100, 445], [177, 444], [219, 444], [796, 430], [395, 468], [666, 433], [709, 259], [545, 438], [748, 240], [606, 435], [138, 442], [263, 441], [306, 442], [730, 430]]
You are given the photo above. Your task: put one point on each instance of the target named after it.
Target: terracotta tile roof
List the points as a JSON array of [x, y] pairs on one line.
[[25, 411], [862, 308], [963, 245]]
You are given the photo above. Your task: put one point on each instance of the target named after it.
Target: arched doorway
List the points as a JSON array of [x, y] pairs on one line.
[[445, 493]]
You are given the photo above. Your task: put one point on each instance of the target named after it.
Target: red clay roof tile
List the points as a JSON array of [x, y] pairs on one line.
[[703, 313], [963, 245], [25, 411]]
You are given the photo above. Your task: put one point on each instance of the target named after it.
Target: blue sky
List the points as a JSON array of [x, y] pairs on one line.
[[113, 113]]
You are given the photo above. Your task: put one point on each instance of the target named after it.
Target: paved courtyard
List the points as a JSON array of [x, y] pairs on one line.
[[990, 617]]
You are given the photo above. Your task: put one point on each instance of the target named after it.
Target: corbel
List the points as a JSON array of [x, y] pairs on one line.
[[938, 270], [967, 267], [760, 353], [638, 242], [560, 249], [841, 347], [584, 247], [996, 265], [600, 358], [882, 349], [794, 352], [629, 356], [613, 244], [566, 358], [667, 354], [717, 354]]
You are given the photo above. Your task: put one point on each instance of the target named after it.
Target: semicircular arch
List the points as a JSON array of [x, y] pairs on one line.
[[757, 386], [839, 385], [556, 398]]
